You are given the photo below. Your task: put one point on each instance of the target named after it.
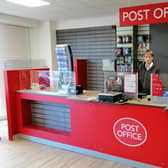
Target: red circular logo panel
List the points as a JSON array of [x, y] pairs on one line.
[[130, 132]]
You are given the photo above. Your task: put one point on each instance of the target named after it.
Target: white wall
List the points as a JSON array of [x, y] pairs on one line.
[[22, 39], [14, 46], [19, 21], [43, 40], [42, 37], [88, 22]]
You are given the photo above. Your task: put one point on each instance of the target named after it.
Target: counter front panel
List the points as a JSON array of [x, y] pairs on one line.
[[142, 137]]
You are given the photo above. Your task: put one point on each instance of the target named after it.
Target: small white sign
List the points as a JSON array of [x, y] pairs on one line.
[[108, 65], [130, 83]]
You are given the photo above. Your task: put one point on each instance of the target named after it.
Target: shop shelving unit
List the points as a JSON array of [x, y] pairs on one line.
[[123, 32]]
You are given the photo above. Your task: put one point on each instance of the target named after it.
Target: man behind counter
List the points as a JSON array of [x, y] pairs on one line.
[[144, 72]]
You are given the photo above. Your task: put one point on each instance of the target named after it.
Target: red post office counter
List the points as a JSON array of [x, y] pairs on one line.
[[136, 135], [132, 134]]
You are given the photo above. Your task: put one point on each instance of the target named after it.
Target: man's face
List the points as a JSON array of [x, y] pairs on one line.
[[148, 58]]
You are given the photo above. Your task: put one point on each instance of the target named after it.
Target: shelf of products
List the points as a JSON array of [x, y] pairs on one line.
[[124, 60], [126, 50], [143, 41], [142, 45]]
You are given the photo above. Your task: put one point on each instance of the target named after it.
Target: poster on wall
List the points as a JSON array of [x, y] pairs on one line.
[[145, 14]]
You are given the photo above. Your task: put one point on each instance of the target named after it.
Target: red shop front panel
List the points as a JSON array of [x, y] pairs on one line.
[[134, 132]]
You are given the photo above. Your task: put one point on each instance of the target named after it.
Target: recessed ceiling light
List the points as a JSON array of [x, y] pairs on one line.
[[30, 3]]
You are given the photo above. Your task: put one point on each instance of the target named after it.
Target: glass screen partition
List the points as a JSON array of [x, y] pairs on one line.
[[56, 81], [113, 81], [121, 82]]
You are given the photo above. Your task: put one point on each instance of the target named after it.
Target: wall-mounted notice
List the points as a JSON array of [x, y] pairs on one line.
[[146, 14], [130, 83]]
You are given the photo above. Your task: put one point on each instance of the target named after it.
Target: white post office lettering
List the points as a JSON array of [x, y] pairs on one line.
[[125, 134], [140, 15], [136, 15], [128, 127], [146, 13], [165, 12], [125, 15], [160, 11], [132, 15]]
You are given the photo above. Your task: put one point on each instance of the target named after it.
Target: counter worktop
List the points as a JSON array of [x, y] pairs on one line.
[[90, 96]]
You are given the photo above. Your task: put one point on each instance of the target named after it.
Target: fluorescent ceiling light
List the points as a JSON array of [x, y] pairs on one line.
[[30, 3]]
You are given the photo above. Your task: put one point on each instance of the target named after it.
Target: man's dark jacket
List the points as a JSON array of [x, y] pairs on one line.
[[144, 77]]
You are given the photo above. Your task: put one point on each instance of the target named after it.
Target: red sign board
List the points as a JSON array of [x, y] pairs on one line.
[[130, 132], [146, 14]]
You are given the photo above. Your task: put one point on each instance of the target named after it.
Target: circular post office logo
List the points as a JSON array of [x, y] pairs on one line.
[[130, 132]]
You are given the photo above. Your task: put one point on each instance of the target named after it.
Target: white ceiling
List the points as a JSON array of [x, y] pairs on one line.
[[71, 9]]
